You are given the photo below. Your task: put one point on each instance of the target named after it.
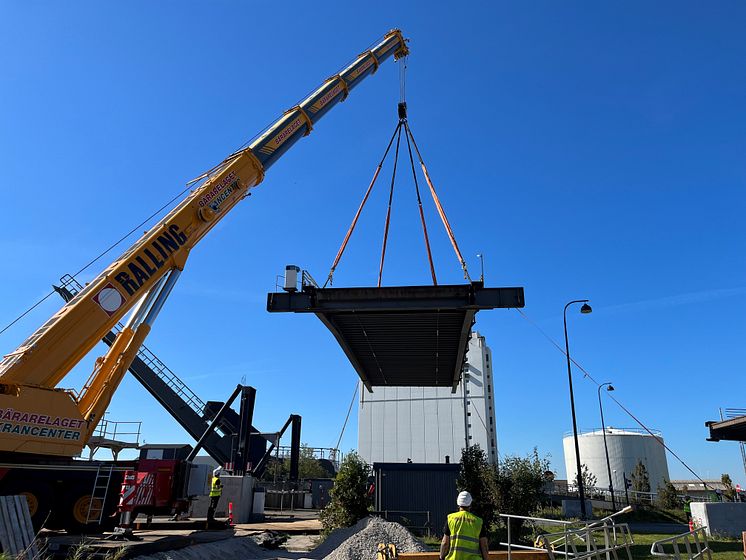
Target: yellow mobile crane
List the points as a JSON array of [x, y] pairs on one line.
[[39, 421]]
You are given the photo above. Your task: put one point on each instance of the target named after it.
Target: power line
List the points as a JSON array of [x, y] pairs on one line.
[[90, 263], [588, 376]]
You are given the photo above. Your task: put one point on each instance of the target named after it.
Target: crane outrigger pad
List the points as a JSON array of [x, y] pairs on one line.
[[400, 336]]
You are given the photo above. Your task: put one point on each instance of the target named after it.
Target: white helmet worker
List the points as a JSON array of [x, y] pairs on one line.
[[464, 499], [217, 471]]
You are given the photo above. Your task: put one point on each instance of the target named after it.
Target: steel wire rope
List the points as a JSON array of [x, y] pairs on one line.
[[419, 204], [587, 375], [411, 442], [439, 207], [437, 371], [402, 79], [486, 431], [370, 347], [343, 246], [349, 409], [453, 428], [90, 263], [388, 211]]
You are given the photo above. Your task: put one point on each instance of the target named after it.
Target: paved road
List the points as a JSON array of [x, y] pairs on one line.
[[661, 528]]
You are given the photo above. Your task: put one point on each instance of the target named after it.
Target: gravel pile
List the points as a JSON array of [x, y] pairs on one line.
[[361, 540]]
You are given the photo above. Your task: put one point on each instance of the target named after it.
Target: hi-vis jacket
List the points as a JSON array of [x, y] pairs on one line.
[[217, 487], [465, 528]]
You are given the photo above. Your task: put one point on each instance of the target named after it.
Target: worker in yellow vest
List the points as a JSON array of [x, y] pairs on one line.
[[464, 534], [216, 490]]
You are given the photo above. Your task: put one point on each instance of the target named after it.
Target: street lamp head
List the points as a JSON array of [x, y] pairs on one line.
[[586, 309], [610, 388]]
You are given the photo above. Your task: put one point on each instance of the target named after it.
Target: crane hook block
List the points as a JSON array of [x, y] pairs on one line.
[[402, 111]]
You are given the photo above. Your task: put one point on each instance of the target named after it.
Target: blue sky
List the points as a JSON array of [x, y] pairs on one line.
[[589, 150]]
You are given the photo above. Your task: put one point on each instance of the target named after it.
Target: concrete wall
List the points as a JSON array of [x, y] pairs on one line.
[[725, 519], [424, 424], [236, 489], [571, 508]]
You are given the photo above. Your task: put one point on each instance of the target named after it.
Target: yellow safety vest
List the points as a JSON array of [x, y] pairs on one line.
[[465, 528], [217, 487]]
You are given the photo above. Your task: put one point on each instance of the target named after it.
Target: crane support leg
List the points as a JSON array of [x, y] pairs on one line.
[[295, 420], [214, 424], [241, 454], [294, 448]]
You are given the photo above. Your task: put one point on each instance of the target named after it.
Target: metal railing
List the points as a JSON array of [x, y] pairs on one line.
[[599, 540], [307, 280], [330, 453], [690, 546], [617, 431], [128, 432], [295, 499], [622, 496]]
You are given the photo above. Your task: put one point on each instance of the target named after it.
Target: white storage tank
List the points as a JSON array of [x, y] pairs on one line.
[[626, 449]]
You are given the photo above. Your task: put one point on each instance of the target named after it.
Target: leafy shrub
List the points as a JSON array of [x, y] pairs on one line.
[[349, 497]]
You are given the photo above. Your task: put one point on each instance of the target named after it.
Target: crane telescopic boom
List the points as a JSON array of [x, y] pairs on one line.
[[37, 418]]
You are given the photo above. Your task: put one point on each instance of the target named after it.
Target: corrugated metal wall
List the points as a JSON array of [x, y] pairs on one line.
[[424, 424], [413, 487]]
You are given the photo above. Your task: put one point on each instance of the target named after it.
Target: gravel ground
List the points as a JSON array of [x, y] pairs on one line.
[[243, 547], [359, 542]]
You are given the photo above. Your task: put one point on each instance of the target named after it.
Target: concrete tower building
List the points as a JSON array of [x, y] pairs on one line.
[[426, 424]]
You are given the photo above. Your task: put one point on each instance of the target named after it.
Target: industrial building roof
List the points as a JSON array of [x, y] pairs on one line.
[[400, 336]]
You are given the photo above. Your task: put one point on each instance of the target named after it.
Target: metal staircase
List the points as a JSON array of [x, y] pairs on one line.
[[191, 412]]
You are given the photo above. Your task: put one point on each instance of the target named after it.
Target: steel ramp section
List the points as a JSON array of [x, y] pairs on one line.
[[733, 429], [400, 336]]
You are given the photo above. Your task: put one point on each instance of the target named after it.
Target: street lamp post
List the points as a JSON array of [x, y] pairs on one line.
[[609, 387], [585, 309]]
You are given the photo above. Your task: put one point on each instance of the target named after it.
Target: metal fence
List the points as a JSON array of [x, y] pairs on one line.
[[128, 432], [600, 540], [690, 546]]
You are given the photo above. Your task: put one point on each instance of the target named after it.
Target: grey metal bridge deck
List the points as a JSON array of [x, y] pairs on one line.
[[400, 336], [731, 429]]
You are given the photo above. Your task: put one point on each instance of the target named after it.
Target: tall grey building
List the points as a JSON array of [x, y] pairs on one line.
[[426, 424]]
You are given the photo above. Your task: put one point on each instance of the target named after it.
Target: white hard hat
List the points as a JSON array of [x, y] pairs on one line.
[[217, 471], [464, 499]]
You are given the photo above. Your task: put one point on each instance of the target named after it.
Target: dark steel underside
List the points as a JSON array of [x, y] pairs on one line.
[[728, 430], [400, 336]]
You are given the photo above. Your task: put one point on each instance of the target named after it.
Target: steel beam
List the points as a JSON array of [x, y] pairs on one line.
[[404, 335]]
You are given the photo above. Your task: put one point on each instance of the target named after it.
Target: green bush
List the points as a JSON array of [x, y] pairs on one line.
[[349, 497], [478, 477], [667, 497], [520, 486]]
